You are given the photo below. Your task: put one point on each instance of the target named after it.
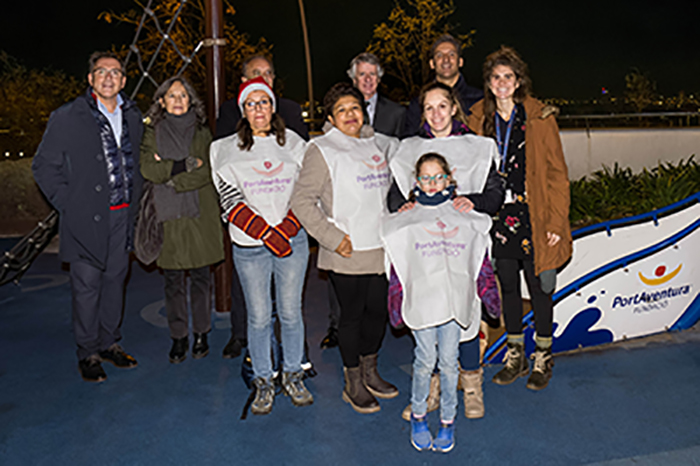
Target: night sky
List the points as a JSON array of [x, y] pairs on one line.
[[573, 48]]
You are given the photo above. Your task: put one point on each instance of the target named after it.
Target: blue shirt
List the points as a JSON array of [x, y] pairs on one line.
[[114, 118]]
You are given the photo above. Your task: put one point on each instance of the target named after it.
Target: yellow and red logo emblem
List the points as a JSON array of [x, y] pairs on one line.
[[661, 275]]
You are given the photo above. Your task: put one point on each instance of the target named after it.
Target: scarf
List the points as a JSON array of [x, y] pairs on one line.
[[436, 199], [174, 134]]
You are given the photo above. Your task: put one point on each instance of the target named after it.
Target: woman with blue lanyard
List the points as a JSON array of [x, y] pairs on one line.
[[531, 231]]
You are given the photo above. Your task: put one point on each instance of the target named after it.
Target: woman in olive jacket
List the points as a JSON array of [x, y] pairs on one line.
[[531, 232], [175, 158]]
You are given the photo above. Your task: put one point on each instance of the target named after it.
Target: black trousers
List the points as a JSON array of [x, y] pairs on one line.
[[176, 300], [508, 271], [98, 295], [239, 313], [363, 314]]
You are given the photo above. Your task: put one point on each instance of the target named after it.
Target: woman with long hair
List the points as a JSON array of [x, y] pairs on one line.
[[255, 170], [531, 231], [339, 198], [175, 158]]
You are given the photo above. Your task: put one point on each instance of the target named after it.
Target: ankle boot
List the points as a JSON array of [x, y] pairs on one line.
[[371, 379], [433, 398], [200, 347], [541, 369], [178, 352], [516, 365], [473, 393], [356, 394]]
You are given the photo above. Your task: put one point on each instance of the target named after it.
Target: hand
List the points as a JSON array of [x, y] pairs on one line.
[[158, 159], [463, 204], [552, 238], [345, 247], [407, 206]]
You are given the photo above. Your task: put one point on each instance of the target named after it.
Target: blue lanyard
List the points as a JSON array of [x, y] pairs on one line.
[[503, 144]]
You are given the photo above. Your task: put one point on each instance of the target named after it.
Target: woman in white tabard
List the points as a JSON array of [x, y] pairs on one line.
[[254, 171], [339, 199], [479, 187]]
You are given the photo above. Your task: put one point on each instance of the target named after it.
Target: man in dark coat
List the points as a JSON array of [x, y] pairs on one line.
[[446, 60], [87, 165], [385, 116], [290, 111], [229, 116]]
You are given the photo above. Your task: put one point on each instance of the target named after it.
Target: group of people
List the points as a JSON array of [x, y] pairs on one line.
[[422, 204]]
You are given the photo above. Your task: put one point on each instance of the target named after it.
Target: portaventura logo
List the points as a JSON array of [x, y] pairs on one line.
[[646, 297], [268, 170], [378, 163]]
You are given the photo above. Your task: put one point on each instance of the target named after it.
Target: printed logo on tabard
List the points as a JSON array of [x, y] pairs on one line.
[[442, 233], [661, 276], [378, 163], [268, 170]]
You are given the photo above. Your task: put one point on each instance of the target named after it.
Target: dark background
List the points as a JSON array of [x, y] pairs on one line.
[[573, 48]]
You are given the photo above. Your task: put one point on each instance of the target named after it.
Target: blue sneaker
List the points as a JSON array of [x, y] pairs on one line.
[[445, 440], [420, 434]]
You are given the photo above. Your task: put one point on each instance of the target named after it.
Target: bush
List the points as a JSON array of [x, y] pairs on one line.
[[616, 193], [21, 197]]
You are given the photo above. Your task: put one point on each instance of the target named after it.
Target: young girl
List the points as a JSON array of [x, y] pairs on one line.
[[436, 249]]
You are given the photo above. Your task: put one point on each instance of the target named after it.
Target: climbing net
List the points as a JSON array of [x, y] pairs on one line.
[[165, 37]]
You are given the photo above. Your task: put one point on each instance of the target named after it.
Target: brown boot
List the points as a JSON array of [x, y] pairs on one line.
[[356, 394], [473, 394], [374, 383], [433, 398]]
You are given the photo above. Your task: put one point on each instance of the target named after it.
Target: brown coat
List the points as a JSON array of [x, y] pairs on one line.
[[546, 183]]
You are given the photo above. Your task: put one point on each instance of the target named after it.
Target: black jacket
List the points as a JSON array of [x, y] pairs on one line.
[[69, 167], [389, 117], [467, 95], [230, 114]]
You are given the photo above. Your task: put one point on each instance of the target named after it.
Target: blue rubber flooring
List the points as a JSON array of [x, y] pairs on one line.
[[637, 404]]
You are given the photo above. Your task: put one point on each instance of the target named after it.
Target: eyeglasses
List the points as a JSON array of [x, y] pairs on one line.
[[425, 179], [102, 72], [263, 104]]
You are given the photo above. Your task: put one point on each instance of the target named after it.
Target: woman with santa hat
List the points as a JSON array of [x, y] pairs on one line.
[[254, 171]]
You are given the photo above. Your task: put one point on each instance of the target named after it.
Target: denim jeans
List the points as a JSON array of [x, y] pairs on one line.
[[446, 337], [256, 267]]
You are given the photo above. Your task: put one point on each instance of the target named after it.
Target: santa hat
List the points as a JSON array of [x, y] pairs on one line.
[[255, 84]]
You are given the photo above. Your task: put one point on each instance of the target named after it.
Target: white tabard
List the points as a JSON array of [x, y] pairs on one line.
[[470, 158], [437, 253], [360, 178], [265, 175]]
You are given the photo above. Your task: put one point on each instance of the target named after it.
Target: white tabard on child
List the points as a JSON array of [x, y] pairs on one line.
[[360, 178], [470, 158], [265, 175], [437, 253]]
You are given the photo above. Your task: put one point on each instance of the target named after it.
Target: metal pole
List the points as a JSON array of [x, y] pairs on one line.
[[216, 93], [309, 79], [214, 42]]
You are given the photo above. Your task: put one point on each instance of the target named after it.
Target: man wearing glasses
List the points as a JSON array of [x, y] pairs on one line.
[[87, 165]]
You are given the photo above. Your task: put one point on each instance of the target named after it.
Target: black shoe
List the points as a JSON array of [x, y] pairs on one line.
[[234, 348], [178, 352], [91, 369], [200, 347], [331, 339], [541, 369], [117, 356]]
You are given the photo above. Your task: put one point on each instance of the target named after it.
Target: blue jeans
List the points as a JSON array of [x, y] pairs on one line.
[[256, 267], [446, 337]]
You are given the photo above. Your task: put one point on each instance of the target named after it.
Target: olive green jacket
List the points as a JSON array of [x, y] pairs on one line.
[[188, 243]]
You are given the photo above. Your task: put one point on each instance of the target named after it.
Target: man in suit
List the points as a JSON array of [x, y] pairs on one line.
[[385, 116], [446, 59], [87, 165], [226, 124]]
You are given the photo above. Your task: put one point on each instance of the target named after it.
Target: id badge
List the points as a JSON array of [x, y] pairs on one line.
[[509, 197]]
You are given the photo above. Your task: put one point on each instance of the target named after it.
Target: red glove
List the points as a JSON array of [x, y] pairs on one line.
[[277, 243], [248, 221], [289, 226]]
